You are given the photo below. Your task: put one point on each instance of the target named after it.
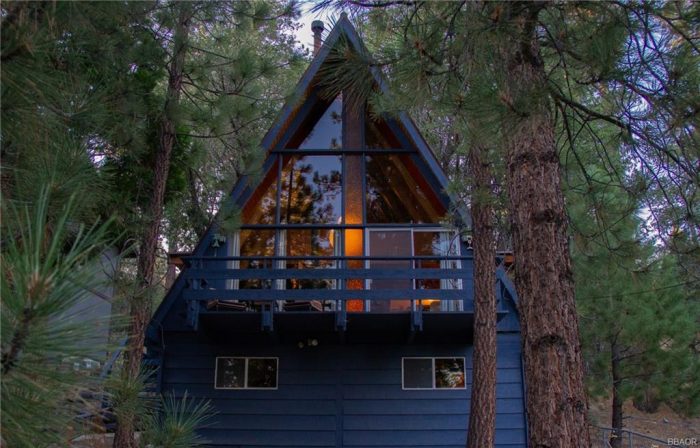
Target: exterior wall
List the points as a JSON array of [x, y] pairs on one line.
[[339, 395], [95, 306]]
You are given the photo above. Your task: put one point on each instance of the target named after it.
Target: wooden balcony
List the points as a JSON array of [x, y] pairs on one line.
[[332, 298]]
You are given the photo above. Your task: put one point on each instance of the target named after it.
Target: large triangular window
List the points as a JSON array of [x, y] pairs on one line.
[[396, 192], [324, 133], [322, 188]]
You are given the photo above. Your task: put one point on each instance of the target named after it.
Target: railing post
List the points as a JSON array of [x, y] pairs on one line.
[[266, 316]]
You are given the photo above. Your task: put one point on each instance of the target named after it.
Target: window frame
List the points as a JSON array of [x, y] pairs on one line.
[[245, 374], [434, 386]]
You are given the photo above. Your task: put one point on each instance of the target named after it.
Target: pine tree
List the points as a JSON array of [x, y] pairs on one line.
[[49, 265], [638, 316], [88, 82], [482, 415], [207, 78]]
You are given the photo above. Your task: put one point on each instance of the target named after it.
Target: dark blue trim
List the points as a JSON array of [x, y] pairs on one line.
[[271, 295]]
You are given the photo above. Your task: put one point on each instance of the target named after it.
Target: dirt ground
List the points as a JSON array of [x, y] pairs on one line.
[[663, 424]]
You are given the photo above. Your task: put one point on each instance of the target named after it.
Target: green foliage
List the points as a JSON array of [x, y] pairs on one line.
[[76, 84], [127, 395], [240, 65], [636, 308], [622, 86], [164, 421], [48, 267], [174, 422]]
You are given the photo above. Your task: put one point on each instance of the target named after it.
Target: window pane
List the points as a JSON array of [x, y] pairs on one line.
[[260, 207], [327, 133], [390, 243], [230, 372], [311, 190], [449, 373], [256, 243], [428, 243], [313, 243], [395, 194], [417, 373], [262, 372], [378, 135]]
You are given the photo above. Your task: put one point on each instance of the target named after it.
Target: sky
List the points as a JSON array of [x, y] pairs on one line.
[[304, 34]]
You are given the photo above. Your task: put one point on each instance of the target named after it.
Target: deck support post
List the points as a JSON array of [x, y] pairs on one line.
[[266, 316], [416, 318], [193, 306], [341, 318]]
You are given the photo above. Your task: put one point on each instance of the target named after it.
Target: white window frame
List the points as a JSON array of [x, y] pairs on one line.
[[245, 373], [233, 250], [432, 358]]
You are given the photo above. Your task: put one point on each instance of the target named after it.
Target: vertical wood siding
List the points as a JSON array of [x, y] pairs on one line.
[[340, 395]]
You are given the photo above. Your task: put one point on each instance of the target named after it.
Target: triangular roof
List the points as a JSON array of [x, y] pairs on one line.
[[290, 118], [407, 128]]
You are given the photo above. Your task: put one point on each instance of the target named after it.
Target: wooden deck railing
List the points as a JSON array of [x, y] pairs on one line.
[[212, 279]]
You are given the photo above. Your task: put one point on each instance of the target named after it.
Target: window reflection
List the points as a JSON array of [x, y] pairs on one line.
[[428, 243], [260, 208], [449, 373], [394, 194], [378, 135], [327, 133], [256, 243], [438, 244], [312, 243], [311, 190], [262, 373], [230, 373]]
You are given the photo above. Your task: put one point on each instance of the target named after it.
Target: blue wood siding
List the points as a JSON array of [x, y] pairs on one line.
[[340, 395]]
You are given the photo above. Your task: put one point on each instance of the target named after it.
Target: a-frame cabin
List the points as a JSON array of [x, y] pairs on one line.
[[341, 313]]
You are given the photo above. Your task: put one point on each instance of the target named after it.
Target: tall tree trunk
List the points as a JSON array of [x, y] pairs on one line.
[[616, 436], [140, 306], [482, 415], [556, 397]]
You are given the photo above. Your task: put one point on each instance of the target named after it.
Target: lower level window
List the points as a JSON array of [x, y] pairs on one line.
[[245, 373], [433, 373]]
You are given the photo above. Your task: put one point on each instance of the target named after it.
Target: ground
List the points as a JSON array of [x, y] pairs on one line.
[[662, 425]]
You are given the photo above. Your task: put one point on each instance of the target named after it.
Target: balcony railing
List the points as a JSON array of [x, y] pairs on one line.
[[333, 284]]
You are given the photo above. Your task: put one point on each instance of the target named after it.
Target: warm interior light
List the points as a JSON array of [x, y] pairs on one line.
[[353, 242], [353, 248], [430, 304]]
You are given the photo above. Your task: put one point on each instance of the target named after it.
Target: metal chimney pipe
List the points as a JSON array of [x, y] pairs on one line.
[[317, 27]]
